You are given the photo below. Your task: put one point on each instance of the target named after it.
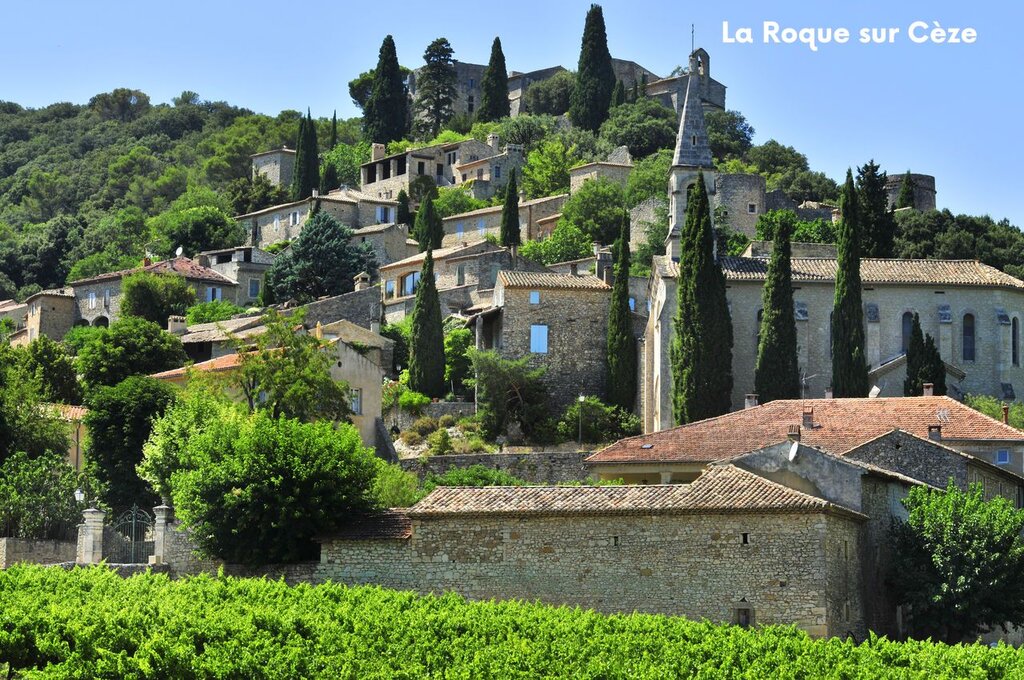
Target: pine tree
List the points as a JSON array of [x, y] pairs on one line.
[[386, 114], [510, 235], [777, 371], [849, 366], [429, 230], [426, 339], [435, 88], [933, 368], [595, 77], [402, 214], [701, 351], [618, 94], [906, 196], [913, 385], [877, 224], [306, 175], [329, 177], [621, 389], [494, 103]]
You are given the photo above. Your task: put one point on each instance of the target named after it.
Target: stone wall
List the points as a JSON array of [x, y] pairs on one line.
[[361, 307], [475, 225], [881, 501], [736, 194], [617, 173], [15, 550], [700, 566], [277, 166], [924, 190], [403, 420], [843, 592], [537, 468]]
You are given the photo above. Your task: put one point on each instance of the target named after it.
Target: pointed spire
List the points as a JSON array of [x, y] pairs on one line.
[[692, 148]]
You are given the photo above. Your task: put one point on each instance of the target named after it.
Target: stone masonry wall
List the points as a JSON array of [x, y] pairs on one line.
[[537, 468], [843, 579], [915, 458], [735, 193], [694, 565], [361, 307], [15, 550]]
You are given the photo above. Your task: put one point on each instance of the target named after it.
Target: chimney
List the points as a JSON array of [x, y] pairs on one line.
[[606, 274], [176, 325], [146, 261], [935, 433], [362, 281], [494, 141], [828, 392], [573, 270], [1006, 414], [378, 151], [794, 433], [808, 421], [597, 249], [929, 390], [375, 326], [750, 401]]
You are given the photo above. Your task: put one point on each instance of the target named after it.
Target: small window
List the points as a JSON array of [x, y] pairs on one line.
[[410, 282], [480, 226], [106, 297], [497, 172], [1003, 457], [277, 221], [472, 84], [538, 339], [745, 538], [908, 328], [479, 173], [294, 218], [751, 208], [92, 300], [421, 168], [632, 304], [744, 617], [534, 297], [357, 402], [464, 177], [254, 288], [968, 338], [383, 214], [1015, 342], [389, 288], [472, 102], [460, 275], [214, 293], [693, 140], [458, 225]]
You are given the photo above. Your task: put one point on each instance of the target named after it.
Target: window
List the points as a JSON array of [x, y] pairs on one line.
[[389, 288], [472, 84], [293, 219], [472, 102], [908, 327], [277, 221], [745, 538], [968, 337], [254, 288], [534, 297], [1003, 457], [497, 172], [92, 300], [538, 339], [410, 282], [1015, 341], [480, 226], [421, 168], [632, 304], [214, 293], [357, 402], [744, 617], [440, 170], [479, 173], [106, 298], [383, 214], [751, 208], [458, 229], [464, 177], [693, 140], [460, 275]]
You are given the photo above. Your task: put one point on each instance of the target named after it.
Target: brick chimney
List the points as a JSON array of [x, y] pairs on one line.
[[494, 141], [1006, 414], [808, 420], [362, 281], [378, 151], [794, 433], [176, 325], [935, 433], [929, 389], [750, 401], [573, 269], [606, 274]]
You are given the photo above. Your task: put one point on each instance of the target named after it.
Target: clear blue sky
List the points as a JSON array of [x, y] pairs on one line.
[[953, 111]]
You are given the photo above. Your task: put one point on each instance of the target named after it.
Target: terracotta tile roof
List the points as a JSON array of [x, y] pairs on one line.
[[53, 292], [941, 272], [474, 248], [386, 524], [219, 331], [224, 363], [518, 279], [839, 425], [183, 266], [69, 412], [722, 489]]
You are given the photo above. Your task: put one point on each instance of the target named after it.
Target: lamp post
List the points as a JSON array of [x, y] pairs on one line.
[[580, 438], [79, 495]]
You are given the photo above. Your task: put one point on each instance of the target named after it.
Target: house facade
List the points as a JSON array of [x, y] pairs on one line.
[[384, 176], [479, 224]]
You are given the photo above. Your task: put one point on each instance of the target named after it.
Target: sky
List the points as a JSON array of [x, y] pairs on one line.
[[952, 110]]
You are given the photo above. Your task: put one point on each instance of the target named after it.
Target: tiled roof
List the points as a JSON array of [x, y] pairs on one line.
[[53, 292], [223, 363], [516, 279], [839, 425], [218, 331], [182, 266], [386, 524], [722, 489], [373, 229], [940, 272], [441, 253], [499, 208], [69, 413]]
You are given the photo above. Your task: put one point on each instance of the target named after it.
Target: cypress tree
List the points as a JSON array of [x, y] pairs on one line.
[[906, 196], [510, 235], [386, 114], [701, 352], [618, 93], [635, 94], [913, 385], [621, 388], [402, 214], [426, 338], [877, 224], [849, 366], [494, 103], [933, 368], [595, 77], [329, 176], [777, 371], [299, 171], [429, 229], [306, 176]]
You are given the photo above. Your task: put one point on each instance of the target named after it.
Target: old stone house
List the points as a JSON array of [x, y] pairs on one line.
[[246, 265], [383, 176], [476, 225], [671, 91], [277, 166], [486, 177]]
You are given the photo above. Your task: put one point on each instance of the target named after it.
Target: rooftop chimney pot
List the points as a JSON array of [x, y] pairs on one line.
[[935, 433], [929, 389], [794, 433], [1006, 414], [750, 401], [808, 421]]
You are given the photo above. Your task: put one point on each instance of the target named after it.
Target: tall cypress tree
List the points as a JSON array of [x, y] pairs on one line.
[[429, 230], [595, 78], [435, 88], [510, 235], [426, 338], [402, 214], [906, 196], [777, 371], [386, 114], [877, 224], [299, 169], [494, 103], [933, 368], [701, 352], [306, 175], [621, 388], [618, 94], [329, 177], [849, 366], [913, 385]]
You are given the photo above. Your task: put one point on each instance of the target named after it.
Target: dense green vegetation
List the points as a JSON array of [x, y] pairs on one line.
[[849, 365], [777, 371], [91, 623]]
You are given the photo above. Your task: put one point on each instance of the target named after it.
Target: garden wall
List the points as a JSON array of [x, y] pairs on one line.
[[14, 550]]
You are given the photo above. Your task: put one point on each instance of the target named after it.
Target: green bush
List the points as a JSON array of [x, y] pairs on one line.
[[600, 422], [210, 312], [469, 425], [470, 445], [411, 438], [413, 402], [440, 443], [424, 426], [37, 497], [474, 475], [447, 420], [393, 487]]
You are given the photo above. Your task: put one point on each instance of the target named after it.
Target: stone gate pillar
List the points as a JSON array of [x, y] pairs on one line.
[[161, 526], [90, 537]]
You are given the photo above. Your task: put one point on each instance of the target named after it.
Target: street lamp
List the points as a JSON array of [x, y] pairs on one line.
[[79, 495], [580, 439]]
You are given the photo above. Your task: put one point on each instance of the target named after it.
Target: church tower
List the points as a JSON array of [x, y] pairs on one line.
[[692, 156]]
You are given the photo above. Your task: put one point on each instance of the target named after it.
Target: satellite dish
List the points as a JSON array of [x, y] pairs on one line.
[[179, 251], [792, 451]]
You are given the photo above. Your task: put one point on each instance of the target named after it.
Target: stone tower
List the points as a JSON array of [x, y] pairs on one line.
[[692, 156], [277, 166]]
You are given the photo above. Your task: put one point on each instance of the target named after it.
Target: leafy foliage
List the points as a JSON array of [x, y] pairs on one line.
[[567, 242], [435, 88], [621, 348], [510, 230], [155, 297], [457, 342], [306, 176], [878, 228], [429, 230], [649, 178], [452, 201], [803, 231], [993, 408], [52, 369], [552, 96], [509, 391], [905, 199], [546, 172], [195, 229], [777, 370], [474, 475], [596, 422], [849, 365], [131, 346], [37, 497], [386, 111], [924, 363], [494, 103], [729, 134], [209, 312], [644, 126], [597, 208]]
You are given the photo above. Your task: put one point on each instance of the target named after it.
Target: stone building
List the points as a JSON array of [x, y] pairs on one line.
[[560, 320], [468, 92], [671, 91], [614, 172], [924, 190], [246, 265], [477, 224], [278, 166], [383, 176], [486, 177], [49, 312], [518, 83]]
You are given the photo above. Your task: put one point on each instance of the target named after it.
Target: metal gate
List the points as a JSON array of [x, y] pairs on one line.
[[131, 538]]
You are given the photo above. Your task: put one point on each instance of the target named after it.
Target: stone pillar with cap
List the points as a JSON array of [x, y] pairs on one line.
[[90, 537], [162, 524]]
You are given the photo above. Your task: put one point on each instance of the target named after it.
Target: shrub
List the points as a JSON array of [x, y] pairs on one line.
[[391, 393], [440, 443], [469, 445], [37, 497], [446, 421], [413, 402], [411, 438], [469, 425], [424, 426], [393, 487], [131, 346], [600, 422], [209, 312], [474, 475]]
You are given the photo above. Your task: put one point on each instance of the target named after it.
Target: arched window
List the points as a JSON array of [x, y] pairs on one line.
[[968, 337], [908, 327], [1015, 341]]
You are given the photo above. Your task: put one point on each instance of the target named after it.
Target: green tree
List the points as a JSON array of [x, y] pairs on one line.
[[195, 229], [933, 369], [567, 242], [621, 386], [51, 367], [618, 94], [155, 297], [457, 343], [649, 178], [428, 230], [546, 172], [494, 102], [849, 366], [120, 420], [343, 161], [877, 226], [435, 88], [906, 195], [596, 422], [329, 179], [402, 213], [131, 346], [701, 350], [774, 158], [598, 208], [913, 385], [644, 126], [814, 231], [957, 563], [386, 113], [595, 78], [551, 96], [323, 260], [249, 194], [454, 201], [426, 343], [729, 134], [510, 391], [37, 497], [777, 371], [306, 176], [210, 312], [361, 87], [510, 236], [25, 424]]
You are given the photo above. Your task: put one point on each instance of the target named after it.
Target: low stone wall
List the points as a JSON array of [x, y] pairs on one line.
[[404, 420], [538, 468], [14, 550]]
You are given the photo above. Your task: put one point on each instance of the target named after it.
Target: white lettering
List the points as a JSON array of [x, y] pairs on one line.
[[743, 35]]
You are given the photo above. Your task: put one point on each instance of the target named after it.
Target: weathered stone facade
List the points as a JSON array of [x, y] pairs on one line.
[[478, 224], [51, 313], [537, 468], [924, 190], [488, 176], [361, 307], [247, 266], [618, 173], [17, 550], [278, 166], [671, 92], [739, 199], [384, 176]]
